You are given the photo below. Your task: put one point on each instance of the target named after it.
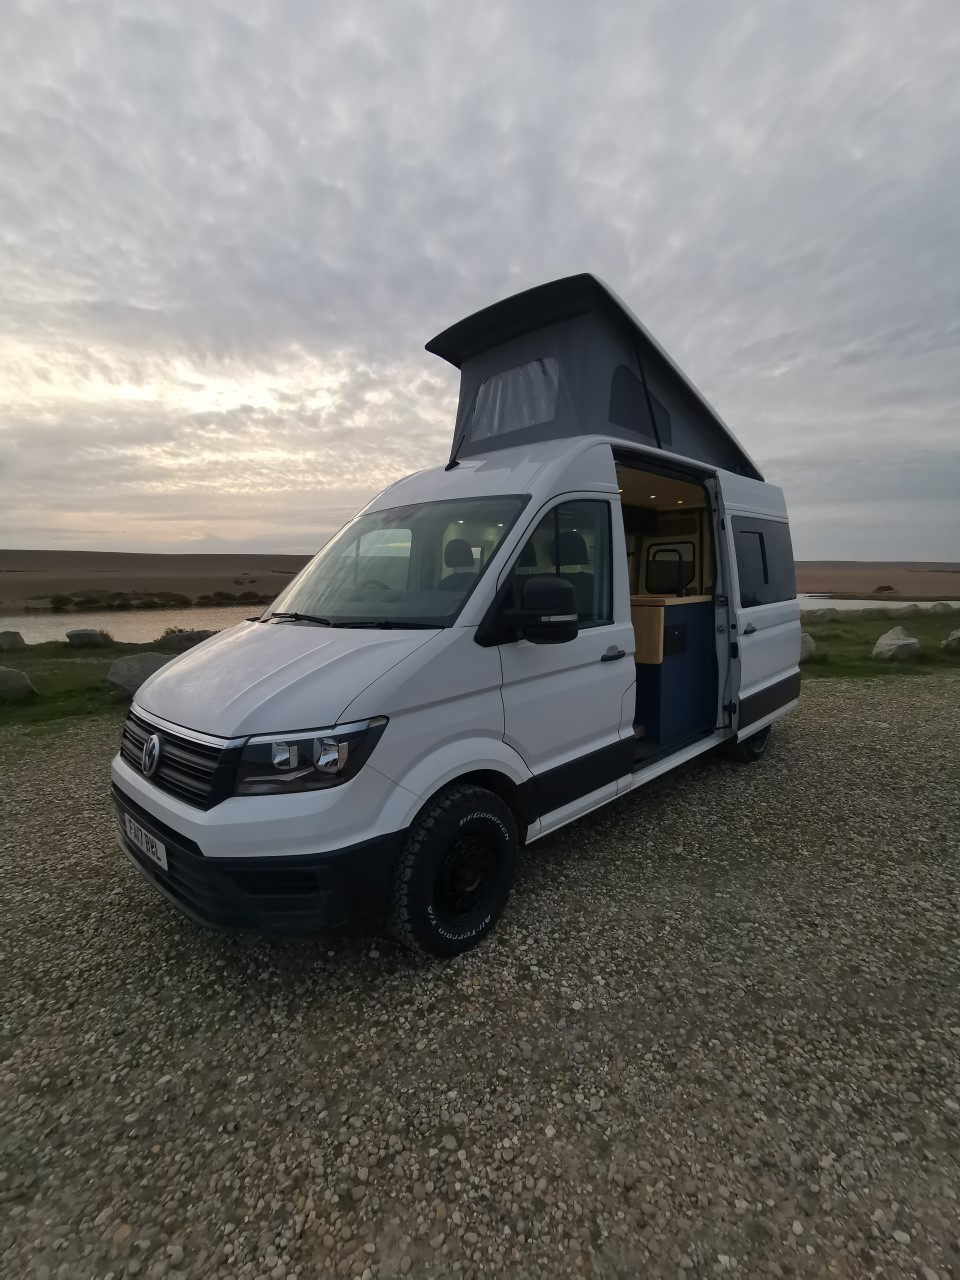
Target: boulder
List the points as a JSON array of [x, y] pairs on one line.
[[15, 686], [808, 646], [896, 646], [941, 607], [11, 641], [952, 642], [126, 675], [86, 638]]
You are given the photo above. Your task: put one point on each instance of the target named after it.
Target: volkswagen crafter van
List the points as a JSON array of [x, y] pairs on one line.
[[596, 588]]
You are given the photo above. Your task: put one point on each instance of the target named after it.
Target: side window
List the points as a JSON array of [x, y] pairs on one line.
[[765, 564], [517, 398], [670, 568], [664, 424], [573, 541], [628, 403]]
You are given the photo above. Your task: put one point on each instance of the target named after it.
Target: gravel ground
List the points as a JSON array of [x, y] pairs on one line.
[[718, 1030]]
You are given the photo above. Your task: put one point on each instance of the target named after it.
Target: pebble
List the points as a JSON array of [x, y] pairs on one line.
[[747, 947]]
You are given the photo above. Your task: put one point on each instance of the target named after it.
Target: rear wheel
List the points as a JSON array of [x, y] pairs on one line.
[[454, 875], [749, 750]]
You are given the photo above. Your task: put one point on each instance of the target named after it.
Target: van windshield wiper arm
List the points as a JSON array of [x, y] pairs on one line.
[[302, 617], [392, 624]]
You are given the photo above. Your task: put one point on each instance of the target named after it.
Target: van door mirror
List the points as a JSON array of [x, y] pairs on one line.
[[548, 610]]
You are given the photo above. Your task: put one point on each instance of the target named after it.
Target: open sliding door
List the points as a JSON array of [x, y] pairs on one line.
[[764, 613]]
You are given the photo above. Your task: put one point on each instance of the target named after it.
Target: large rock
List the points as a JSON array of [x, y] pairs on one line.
[[808, 646], [952, 642], [87, 638], [126, 675], [15, 686], [11, 641], [941, 607], [896, 646]]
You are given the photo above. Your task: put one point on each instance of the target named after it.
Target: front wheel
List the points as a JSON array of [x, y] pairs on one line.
[[749, 750], [455, 872]]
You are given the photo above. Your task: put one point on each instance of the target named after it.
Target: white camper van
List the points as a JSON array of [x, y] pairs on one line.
[[597, 587]]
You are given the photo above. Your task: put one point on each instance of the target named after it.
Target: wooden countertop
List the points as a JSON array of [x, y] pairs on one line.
[[659, 602]]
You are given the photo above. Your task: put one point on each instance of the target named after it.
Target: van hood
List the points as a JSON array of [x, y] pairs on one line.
[[273, 677]]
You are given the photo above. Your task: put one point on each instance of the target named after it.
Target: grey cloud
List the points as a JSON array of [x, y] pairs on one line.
[[277, 195]]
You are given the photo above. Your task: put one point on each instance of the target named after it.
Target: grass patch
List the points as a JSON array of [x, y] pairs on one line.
[[68, 681], [73, 682], [844, 645]]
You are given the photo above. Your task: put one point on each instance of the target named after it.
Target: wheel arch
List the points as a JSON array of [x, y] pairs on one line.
[[515, 796], [484, 762]]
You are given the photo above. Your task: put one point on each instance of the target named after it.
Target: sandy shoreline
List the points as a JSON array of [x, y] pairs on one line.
[[29, 579], [860, 579]]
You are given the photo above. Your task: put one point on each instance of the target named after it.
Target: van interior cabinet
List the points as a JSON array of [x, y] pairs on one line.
[[675, 669]]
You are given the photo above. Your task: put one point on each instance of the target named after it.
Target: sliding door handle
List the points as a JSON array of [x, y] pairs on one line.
[[613, 654], [749, 629]]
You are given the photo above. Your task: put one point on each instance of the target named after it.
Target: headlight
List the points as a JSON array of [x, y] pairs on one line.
[[276, 763]]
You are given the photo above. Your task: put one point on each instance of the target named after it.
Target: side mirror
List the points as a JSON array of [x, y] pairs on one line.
[[548, 610]]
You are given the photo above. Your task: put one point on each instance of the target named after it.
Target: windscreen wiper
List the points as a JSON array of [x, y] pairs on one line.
[[388, 624], [301, 617]]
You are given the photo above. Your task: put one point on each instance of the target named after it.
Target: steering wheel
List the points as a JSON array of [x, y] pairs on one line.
[[372, 582]]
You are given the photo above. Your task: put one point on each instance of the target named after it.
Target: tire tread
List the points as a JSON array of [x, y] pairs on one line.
[[399, 914]]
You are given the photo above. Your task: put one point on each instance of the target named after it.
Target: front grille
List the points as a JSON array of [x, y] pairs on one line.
[[199, 773]]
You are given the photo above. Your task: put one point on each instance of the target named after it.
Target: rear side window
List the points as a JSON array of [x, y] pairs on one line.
[[764, 561]]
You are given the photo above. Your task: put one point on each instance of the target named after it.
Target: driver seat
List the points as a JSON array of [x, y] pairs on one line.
[[458, 555]]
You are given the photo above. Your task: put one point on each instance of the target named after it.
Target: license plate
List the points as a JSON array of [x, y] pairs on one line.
[[145, 842]]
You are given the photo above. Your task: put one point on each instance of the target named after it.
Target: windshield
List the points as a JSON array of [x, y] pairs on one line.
[[407, 566]]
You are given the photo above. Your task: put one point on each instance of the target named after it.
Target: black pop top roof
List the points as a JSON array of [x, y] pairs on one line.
[[582, 326]]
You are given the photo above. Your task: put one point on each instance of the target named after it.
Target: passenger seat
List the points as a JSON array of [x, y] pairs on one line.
[[458, 555]]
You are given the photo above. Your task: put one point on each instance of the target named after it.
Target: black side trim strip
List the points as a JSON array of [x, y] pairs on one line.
[[568, 782], [768, 700]]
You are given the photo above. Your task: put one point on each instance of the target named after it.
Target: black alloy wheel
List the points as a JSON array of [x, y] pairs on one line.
[[750, 750], [455, 871]]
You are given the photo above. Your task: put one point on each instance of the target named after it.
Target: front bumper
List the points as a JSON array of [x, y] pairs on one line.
[[300, 895]]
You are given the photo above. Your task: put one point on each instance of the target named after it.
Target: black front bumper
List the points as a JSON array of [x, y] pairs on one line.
[[299, 895]]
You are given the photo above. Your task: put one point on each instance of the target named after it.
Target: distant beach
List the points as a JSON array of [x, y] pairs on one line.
[[879, 580], [84, 582]]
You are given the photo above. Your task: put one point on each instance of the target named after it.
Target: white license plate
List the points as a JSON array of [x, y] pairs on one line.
[[145, 842]]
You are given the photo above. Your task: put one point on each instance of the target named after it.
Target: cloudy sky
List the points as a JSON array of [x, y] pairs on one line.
[[227, 227]]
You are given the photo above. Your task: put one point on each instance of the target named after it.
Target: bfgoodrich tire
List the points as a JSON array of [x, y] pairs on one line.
[[455, 872], [751, 749]]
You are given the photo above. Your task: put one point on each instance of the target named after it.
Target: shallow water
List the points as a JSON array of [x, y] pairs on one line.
[[130, 625], [140, 625]]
